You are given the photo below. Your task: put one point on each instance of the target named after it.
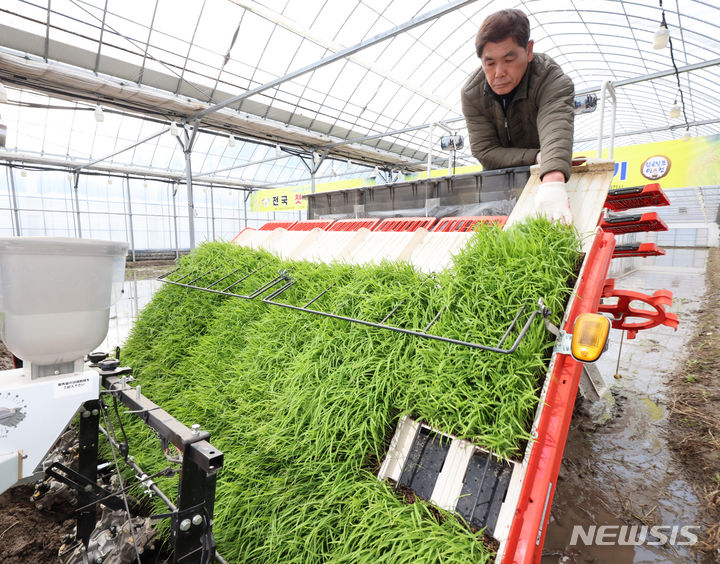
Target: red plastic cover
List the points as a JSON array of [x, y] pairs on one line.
[[354, 224], [634, 223], [636, 197], [310, 224], [405, 223], [467, 223]]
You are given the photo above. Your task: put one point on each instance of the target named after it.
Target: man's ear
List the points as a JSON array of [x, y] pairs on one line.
[[530, 50]]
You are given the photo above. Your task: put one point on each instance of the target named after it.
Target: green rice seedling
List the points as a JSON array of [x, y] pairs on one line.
[[303, 406]]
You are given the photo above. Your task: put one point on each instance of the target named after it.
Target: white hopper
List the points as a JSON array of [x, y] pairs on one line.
[[388, 245], [252, 238], [437, 249], [332, 246]]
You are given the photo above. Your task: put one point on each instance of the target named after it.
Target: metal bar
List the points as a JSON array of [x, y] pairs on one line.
[[512, 325], [87, 466], [389, 315], [210, 459], [247, 195], [13, 197], [602, 119], [106, 157], [221, 279], [130, 219], [436, 318], [46, 51], [243, 165], [284, 287], [407, 26], [169, 273], [416, 333], [100, 40], [76, 180], [482, 481], [203, 276], [289, 283], [147, 43], [653, 76], [188, 182], [174, 205], [320, 295], [212, 211], [246, 276]]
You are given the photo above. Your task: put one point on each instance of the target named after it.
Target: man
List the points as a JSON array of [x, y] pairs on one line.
[[519, 107]]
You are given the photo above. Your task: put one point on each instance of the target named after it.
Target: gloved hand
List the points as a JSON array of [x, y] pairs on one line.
[[551, 201]]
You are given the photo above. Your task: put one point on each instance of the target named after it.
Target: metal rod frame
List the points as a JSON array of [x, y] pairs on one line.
[[285, 281]]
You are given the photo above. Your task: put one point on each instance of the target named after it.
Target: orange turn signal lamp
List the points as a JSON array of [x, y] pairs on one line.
[[590, 336]]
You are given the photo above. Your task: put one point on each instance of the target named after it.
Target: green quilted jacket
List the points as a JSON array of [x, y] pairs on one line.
[[540, 117]]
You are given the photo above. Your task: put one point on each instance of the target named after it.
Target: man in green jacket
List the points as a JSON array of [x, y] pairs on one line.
[[519, 109]]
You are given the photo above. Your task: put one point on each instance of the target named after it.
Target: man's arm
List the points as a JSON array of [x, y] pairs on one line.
[[555, 123], [485, 144]]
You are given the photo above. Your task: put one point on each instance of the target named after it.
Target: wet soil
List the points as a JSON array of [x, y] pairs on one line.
[[627, 470], [29, 535], [693, 429]]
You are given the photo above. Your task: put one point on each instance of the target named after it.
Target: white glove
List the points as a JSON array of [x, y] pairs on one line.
[[551, 201]]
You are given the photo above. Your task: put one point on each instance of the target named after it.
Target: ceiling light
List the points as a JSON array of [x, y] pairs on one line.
[[3, 94], [316, 158], [375, 172], [675, 111], [278, 151], [99, 114], [686, 136], [174, 131], [661, 36], [231, 141]]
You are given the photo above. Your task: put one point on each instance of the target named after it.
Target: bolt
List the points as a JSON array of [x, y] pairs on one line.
[[195, 429], [88, 488], [95, 412], [86, 414], [98, 559], [197, 519], [185, 525]]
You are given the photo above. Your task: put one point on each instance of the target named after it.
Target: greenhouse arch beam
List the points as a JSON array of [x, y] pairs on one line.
[[653, 76], [344, 53], [136, 144]]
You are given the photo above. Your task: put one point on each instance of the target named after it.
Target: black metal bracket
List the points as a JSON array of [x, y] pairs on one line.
[[191, 532], [87, 469], [81, 483], [284, 281]]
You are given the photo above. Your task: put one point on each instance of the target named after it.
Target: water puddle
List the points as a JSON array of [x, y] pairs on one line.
[[622, 473]]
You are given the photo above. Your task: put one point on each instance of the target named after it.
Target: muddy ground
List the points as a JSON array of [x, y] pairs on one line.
[[653, 461], [694, 422]]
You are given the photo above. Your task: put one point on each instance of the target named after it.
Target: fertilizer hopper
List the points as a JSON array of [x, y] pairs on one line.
[[55, 298]]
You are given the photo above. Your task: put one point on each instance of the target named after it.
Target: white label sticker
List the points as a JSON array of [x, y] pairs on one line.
[[72, 386]]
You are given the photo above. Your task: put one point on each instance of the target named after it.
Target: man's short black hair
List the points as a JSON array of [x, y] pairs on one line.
[[499, 26]]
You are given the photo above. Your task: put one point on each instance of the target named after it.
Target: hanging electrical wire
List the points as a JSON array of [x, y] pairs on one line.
[[677, 72]]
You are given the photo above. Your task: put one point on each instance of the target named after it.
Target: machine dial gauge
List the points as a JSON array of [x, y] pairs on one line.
[[12, 411]]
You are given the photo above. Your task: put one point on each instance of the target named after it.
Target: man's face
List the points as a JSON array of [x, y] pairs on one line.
[[505, 63]]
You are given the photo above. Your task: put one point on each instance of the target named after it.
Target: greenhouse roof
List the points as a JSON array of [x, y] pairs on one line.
[[359, 82]]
